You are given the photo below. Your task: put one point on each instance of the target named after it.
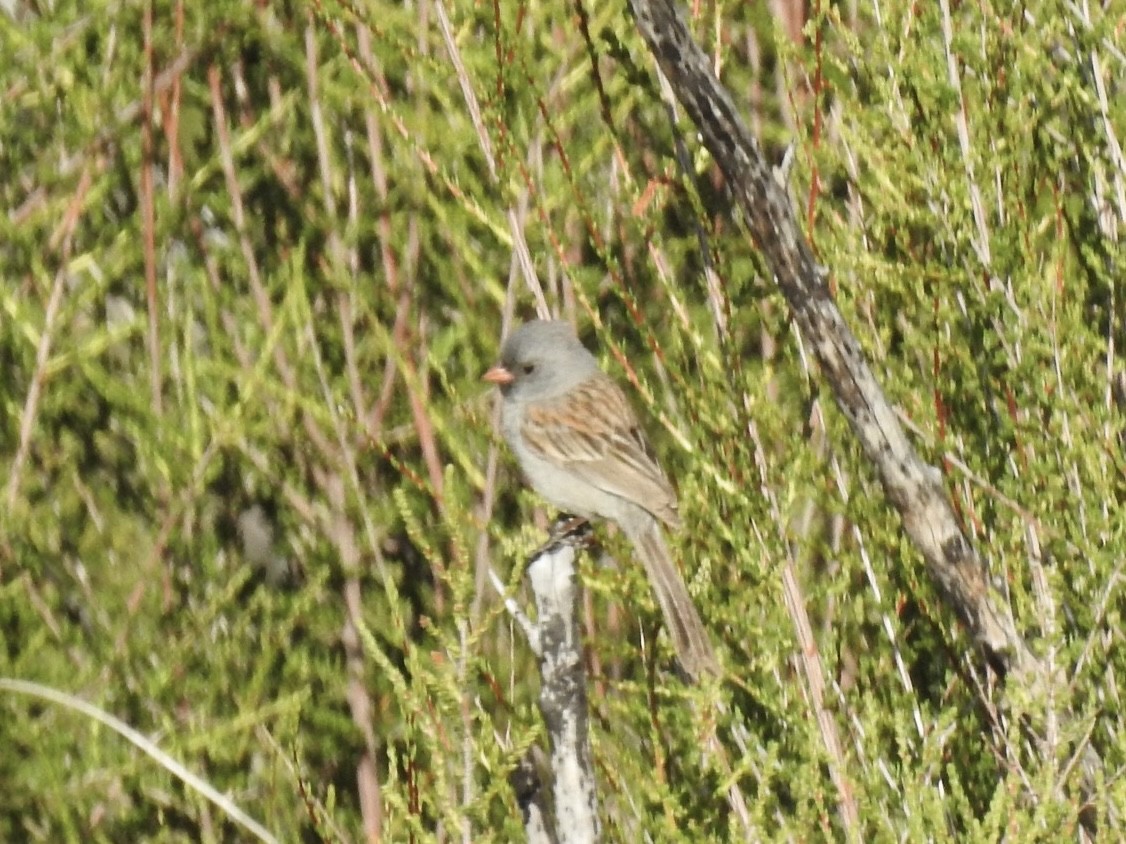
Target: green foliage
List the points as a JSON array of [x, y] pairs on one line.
[[248, 504]]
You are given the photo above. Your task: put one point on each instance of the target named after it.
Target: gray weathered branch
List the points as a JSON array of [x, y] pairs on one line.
[[563, 702], [912, 486]]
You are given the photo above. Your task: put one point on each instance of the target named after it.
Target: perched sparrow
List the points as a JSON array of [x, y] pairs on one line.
[[580, 447]]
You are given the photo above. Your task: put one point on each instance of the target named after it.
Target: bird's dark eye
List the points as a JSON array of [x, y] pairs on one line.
[[529, 368]]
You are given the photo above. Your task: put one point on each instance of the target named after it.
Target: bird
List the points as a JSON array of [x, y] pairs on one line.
[[580, 447]]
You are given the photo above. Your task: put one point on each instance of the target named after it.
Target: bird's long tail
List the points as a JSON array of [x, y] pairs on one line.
[[690, 638]]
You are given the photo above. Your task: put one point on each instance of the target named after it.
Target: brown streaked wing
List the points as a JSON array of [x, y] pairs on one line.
[[593, 432]]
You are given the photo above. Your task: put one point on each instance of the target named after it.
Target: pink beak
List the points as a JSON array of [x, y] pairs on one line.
[[499, 375]]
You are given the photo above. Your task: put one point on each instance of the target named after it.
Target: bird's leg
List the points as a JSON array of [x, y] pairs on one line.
[[566, 530], [568, 527]]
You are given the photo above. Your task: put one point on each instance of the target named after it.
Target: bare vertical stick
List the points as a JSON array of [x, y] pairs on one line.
[[551, 574]]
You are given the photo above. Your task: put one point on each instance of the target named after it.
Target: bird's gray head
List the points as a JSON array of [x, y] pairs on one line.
[[540, 360]]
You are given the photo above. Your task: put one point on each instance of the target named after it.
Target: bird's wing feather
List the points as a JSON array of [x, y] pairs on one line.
[[592, 431]]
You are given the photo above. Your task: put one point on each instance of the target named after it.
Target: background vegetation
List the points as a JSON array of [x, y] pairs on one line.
[[254, 258]]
